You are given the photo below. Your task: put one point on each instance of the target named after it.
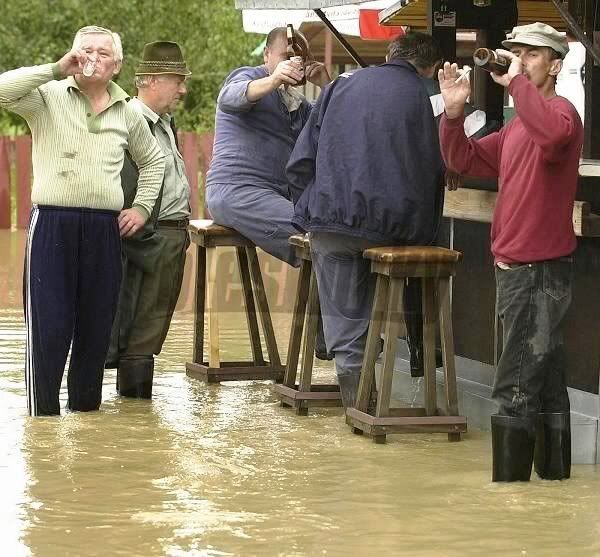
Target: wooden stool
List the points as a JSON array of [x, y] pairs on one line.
[[307, 310], [208, 237], [434, 266]]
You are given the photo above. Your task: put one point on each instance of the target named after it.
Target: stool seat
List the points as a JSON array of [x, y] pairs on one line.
[[299, 240], [413, 254], [206, 233]]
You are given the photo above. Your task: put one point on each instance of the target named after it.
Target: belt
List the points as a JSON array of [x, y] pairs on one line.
[[178, 224], [506, 266]]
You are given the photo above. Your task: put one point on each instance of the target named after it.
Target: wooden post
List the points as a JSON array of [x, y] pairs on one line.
[[189, 152], [205, 142], [440, 30], [23, 158], [487, 95], [4, 184], [591, 144]]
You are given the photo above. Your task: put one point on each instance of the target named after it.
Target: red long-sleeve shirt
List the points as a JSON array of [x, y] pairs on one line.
[[536, 159]]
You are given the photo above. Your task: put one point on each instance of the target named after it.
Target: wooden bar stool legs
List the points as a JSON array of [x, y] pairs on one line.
[[208, 237], [387, 317], [305, 323]]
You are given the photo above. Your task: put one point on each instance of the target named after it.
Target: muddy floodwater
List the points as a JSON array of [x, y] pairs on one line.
[[223, 470]]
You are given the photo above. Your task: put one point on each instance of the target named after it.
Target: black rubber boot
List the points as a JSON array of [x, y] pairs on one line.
[[134, 377], [513, 441], [348, 389], [553, 446]]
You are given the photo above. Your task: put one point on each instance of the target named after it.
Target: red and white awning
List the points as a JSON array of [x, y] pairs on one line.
[[360, 20]]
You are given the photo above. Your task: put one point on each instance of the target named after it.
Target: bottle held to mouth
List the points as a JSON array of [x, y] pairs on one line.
[[295, 52], [490, 61], [89, 67]]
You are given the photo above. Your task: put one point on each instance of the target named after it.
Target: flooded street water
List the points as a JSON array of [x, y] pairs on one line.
[[224, 470]]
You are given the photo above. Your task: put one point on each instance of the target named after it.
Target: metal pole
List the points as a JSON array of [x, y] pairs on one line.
[[347, 46], [577, 30]]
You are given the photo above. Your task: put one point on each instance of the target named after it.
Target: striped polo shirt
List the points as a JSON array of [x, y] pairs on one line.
[[77, 154]]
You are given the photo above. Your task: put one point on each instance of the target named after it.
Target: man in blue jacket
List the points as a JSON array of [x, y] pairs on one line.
[[366, 171]]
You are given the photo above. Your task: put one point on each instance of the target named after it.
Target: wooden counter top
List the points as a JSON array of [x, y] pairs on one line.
[[478, 206], [589, 167]]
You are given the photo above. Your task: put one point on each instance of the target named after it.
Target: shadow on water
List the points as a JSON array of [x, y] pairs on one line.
[[223, 470]]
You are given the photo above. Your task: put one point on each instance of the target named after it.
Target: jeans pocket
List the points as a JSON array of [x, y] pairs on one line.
[[557, 279]]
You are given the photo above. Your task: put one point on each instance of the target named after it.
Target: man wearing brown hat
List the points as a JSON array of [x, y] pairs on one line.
[[154, 258], [535, 158]]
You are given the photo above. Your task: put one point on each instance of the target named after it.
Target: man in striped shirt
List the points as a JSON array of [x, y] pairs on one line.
[[80, 127]]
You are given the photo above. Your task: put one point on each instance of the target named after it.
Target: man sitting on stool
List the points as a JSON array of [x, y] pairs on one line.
[[366, 174]]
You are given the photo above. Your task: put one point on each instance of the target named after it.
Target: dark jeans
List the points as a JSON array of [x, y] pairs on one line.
[[532, 300]]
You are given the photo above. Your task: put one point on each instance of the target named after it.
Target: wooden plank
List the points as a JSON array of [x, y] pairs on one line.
[[424, 421], [189, 152], [367, 372], [429, 330], [447, 340], [589, 167], [414, 13], [298, 319], [393, 320], [23, 159], [263, 306], [200, 303], [251, 320], [478, 205], [212, 295], [247, 372], [4, 184], [313, 312]]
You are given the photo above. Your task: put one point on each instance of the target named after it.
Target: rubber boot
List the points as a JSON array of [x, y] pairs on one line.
[[348, 389], [553, 446], [320, 347], [513, 441], [134, 377]]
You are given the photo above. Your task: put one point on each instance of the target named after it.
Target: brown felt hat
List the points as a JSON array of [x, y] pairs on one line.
[[162, 57]]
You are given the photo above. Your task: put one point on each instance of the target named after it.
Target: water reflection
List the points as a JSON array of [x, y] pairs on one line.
[[223, 470]]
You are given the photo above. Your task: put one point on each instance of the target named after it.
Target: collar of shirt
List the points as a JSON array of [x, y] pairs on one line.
[[116, 93], [397, 62], [149, 113]]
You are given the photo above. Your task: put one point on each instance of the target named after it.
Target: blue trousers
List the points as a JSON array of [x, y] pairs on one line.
[[70, 289], [263, 215], [346, 289], [532, 300]]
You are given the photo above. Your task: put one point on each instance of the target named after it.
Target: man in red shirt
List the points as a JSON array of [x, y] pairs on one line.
[[535, 158]]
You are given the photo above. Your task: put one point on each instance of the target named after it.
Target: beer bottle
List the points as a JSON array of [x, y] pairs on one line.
[[295, 52], [491, 61]]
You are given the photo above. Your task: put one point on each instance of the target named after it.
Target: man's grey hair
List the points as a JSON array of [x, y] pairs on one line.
[[94, 29], [142, 81]]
